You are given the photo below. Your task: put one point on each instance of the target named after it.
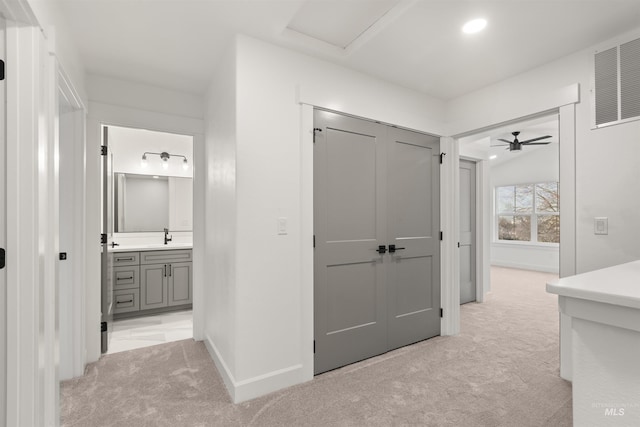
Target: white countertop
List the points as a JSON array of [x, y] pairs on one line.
[[150, 247], [618, 285]]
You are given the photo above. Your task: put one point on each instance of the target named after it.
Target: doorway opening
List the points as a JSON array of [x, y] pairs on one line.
[[518, 196], [147, 280]]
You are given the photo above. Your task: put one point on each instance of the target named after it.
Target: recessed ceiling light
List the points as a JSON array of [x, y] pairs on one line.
[[495, 156], [474, 26]]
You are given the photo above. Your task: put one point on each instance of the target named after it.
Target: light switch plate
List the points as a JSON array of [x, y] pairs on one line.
[[282, 225], [601, 225]]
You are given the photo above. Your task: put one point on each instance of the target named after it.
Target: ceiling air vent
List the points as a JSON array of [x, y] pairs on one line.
[[617, 84]]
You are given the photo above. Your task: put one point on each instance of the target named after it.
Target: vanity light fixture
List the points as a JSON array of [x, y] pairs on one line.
[[164, 157], [474, 26]]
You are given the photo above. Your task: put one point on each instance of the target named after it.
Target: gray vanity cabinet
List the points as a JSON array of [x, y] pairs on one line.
[[126, 274], [153, 286], [161, 280], [179, 284]]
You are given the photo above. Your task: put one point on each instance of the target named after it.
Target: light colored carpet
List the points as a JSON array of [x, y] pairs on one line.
[[502, 370]]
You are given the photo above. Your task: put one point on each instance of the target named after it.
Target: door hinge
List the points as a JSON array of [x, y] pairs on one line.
[[314, 133], [1, 69], [3, 258], [441, 235], [442, 157], [103, 150], [314, 346], [441, 313], [103, 238]]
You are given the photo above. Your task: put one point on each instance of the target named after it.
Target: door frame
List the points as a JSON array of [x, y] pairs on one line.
[[3, 237], [562, 100], [449, 219], [482, 183], [563, 103], [32, 221], [72, 363], [111, 115]]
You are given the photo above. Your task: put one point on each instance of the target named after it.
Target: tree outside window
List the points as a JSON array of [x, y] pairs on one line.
[[528, 213]]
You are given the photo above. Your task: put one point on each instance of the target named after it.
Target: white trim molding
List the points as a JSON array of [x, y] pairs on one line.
[[32, 229], [241, 391]]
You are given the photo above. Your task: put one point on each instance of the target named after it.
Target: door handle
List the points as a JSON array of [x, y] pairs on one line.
[[169, 270], [382, 249], [392, 249], [165, 270]]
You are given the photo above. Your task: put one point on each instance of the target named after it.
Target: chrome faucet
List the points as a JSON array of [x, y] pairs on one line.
[[167, 239]]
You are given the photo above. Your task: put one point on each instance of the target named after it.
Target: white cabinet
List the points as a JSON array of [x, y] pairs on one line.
[[162, 280]]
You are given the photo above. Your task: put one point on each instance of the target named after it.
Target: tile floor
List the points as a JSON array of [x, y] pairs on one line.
[[138, 332]]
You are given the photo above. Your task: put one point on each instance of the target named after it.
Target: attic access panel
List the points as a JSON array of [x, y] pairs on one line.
[[339, 22]]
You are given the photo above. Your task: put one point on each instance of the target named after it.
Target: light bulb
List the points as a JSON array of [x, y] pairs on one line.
[[185, 165], [165, 164], [144, 161]]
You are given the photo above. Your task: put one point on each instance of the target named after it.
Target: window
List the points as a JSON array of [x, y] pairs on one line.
[[528, 213]]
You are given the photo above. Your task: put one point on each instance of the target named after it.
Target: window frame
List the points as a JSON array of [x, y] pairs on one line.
[[533, 217]]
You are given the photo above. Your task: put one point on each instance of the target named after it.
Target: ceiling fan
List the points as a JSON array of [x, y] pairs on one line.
[[516, 145]]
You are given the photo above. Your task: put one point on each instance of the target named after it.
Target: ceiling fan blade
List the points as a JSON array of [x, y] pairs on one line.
[[536, 143], [505, 140], [535, 139], [500, 145]]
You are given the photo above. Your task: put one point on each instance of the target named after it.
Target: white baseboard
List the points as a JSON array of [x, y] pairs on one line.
[[251, 388], [525, 266]]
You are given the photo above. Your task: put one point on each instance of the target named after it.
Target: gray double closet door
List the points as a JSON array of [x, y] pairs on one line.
[[377, 239]]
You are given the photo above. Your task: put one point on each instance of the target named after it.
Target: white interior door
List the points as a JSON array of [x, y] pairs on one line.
[[107, 232]]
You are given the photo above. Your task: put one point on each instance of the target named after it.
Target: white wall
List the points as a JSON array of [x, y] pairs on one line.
[[606, 170], [55, 30], [538, 165], [134, 105], [128, 145], [220, 292], [258, 171]]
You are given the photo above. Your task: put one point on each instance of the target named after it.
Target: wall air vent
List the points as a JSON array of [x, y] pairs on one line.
[[616, 89], [630, 80]]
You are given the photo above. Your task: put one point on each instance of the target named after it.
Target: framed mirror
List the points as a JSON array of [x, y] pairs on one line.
[[146, 203]]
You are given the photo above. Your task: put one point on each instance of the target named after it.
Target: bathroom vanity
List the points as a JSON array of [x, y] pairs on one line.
[[149, 280], [600, 343]]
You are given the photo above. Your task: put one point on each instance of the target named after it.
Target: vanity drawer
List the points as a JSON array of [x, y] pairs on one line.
[[160, 257], [127, 277], [126, 258], [126, 300]]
